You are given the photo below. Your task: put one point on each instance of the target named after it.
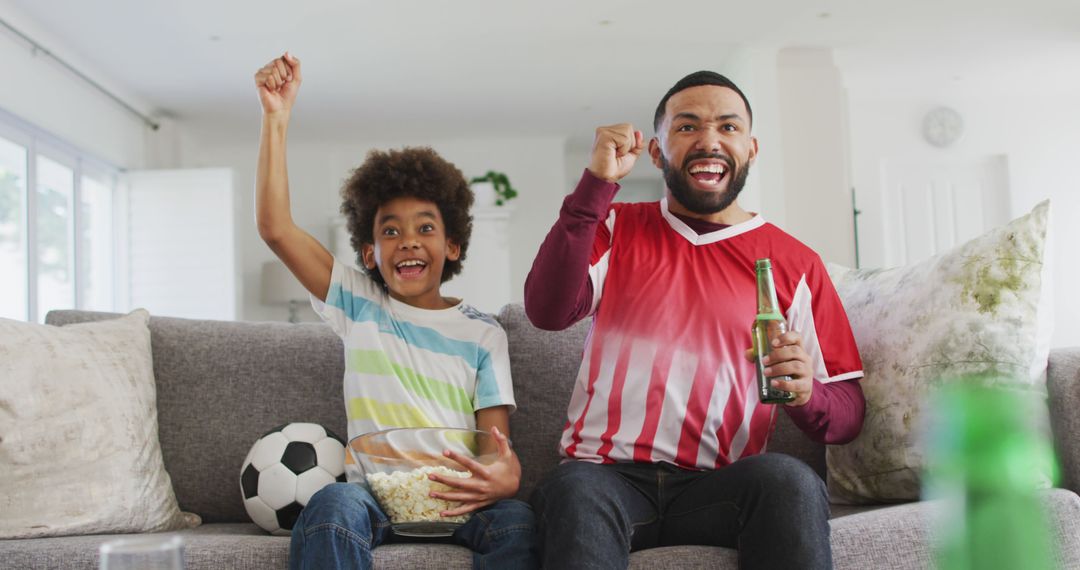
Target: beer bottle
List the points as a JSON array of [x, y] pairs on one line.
[[768, 325]]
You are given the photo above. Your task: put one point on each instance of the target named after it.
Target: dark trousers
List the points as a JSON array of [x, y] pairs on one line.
[[773, 508]]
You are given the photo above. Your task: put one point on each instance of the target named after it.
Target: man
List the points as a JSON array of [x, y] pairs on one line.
[[665, 436]]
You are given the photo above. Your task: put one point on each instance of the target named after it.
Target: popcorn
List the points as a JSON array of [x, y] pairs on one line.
[[404, 495]]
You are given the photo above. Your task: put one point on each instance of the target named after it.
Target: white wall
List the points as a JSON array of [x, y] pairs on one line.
[[1040, 135], [40, 91], [755, 71], [813, 114], [318, 169]]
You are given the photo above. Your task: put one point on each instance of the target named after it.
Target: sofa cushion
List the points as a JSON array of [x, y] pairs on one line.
[[896, 537], [979, 309], [544, 366], [221, 385], [79, 447], [208, 547], [686, 557], [1063, 387], [903, 537], [788, 439]]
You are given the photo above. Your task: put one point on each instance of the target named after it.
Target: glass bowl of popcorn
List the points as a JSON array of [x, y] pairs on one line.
[[395, 465]]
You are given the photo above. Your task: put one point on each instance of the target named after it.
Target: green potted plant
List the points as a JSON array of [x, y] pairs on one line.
[[498, 181]]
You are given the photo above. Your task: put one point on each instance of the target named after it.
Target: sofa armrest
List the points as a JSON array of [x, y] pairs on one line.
[[1063, 390]]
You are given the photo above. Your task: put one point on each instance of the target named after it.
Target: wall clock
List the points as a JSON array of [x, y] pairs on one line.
[[942, 127]]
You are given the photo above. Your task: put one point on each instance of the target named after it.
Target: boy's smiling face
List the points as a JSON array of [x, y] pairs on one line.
[[410, 248]]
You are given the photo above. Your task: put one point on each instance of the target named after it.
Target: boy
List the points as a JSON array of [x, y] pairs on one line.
[[406, 345]]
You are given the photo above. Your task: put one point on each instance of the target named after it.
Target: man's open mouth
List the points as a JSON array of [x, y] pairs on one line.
[[708, 172]]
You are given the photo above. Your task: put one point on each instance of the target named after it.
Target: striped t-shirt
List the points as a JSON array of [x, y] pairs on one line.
[[412, 367]]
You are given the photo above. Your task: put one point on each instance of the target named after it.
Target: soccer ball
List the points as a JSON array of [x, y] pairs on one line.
[[284, 468]]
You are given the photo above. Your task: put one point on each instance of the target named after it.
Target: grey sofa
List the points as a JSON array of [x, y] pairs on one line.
[[222, 384]]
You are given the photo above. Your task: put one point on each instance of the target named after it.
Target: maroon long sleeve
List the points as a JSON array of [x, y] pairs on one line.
[[558, 293], [834, 414]]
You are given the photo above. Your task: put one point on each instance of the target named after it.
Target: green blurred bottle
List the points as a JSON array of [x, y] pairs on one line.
[[768, 325], [986, 463]]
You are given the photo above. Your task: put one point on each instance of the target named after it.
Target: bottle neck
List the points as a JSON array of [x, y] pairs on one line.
[[767, 306]]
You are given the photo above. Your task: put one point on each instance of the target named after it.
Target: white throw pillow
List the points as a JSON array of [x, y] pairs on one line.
[[979, 310], [79, 450]]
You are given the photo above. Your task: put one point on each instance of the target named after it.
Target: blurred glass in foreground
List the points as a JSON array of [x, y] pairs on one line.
[[987, 458]]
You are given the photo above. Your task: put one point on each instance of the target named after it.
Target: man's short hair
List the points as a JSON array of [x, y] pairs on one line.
[[696, 79]]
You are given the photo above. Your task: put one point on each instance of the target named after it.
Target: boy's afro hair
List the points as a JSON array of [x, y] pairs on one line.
[[413, 172]]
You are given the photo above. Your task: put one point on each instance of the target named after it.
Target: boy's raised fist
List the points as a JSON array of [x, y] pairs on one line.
[[278, 83]]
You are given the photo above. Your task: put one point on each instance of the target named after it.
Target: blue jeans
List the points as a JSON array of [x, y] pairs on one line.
[[773, 508], [342, 524]]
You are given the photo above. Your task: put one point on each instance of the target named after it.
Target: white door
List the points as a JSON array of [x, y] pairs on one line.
[[930, 207], [181, 244]]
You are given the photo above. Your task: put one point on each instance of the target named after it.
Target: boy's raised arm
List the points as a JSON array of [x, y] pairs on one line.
[[278, 83]]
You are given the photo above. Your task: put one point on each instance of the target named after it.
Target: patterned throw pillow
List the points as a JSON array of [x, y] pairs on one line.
[[79, 450], [979, 310]]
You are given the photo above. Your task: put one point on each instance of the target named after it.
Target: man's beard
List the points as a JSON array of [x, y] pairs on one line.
[[703, 201]]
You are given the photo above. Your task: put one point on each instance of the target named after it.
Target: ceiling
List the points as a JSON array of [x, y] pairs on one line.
[[556, 67]]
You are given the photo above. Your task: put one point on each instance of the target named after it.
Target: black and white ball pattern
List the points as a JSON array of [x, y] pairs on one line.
[[284, 468]]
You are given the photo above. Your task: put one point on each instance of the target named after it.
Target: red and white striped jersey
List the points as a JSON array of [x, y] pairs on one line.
[[664, 377]]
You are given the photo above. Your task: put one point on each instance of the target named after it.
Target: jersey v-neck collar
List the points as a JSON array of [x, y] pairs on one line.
[[695, 238]]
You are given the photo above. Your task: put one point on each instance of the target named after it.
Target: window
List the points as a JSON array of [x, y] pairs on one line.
[[13, 266], [53, 223], [96, 203], [56, 225]]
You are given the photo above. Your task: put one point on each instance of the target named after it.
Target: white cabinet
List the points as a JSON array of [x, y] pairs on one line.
[[484, 281], [180, 253]]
